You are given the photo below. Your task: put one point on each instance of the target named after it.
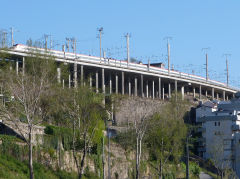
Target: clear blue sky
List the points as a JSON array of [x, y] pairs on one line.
[[193, 25]]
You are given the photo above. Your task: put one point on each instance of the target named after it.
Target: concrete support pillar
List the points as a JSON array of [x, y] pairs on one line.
[[200, 92], [75, 75], [116, 85], [135, 89], [217, 96], [227, 97], [169, 90], [213, 93], [129, 86], [206, 93], [63, 83], [103, 85], [159, 88], [122, 83], [103, 81], [194, 92], [224, 95], [163, 93], [110, 84], [23, 65], [182, 92], [82, 75], [17, 66], [90, 81], [69, 81], [147, 89], [175, 88], [142, 86], [96, 81], [59, 75], [153, 95]]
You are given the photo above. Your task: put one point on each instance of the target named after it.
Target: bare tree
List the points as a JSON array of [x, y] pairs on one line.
[[25, 92], [222, 161], [140, 125]]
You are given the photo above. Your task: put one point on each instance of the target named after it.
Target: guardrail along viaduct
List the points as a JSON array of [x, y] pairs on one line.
[[115, 76]]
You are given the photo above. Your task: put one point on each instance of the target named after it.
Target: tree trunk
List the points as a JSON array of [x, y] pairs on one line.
[[140, 151], [160, 173], [137, 157], [30, 154], [74, 150], [59, 154], [161, 164], [83, 159], [103, 157]]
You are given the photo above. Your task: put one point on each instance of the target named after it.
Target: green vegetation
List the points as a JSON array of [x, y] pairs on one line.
[[75, 120], [13, 163], [165, 138], [11, 168]]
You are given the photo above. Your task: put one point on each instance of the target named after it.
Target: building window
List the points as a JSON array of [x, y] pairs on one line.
[[217, 123], [226, 141]]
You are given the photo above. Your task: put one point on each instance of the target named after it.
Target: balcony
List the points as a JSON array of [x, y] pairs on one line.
[[202, 139], [235, 127], [201, 144], [201, 149], [201, 119], [201, 129]]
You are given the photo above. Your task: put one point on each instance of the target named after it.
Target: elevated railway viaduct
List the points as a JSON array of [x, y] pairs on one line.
[[115, 76]]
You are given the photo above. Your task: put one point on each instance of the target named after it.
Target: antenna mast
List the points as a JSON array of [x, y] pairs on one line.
[[100, 41], [74, 46], [12, 37], [67, 44], [46, 40], [4, 38], [128, 51], [168, 50], [227, 55], [206, 50], [51, 44]]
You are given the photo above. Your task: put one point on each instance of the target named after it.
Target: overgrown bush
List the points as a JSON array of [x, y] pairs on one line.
[[125, 139]]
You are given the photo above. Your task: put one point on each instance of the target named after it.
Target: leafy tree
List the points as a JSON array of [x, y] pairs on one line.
[[166, 134]]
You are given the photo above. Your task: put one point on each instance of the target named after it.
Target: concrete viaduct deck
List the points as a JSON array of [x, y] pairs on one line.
[[115, 76]]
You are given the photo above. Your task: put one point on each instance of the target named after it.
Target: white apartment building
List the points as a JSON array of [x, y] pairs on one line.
[[220, 128], [205, 109]]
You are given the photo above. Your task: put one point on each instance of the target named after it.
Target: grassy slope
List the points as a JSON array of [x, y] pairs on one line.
[[11, 168]]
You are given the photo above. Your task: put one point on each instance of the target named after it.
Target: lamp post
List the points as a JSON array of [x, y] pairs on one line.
[[187, 160]]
